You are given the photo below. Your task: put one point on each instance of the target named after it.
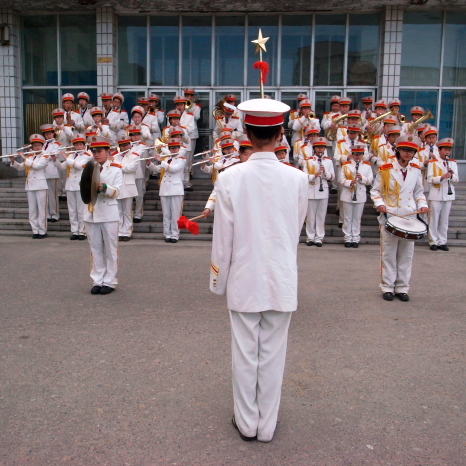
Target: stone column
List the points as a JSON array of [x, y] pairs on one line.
[[106, 50], [389, 82], [10, 89]]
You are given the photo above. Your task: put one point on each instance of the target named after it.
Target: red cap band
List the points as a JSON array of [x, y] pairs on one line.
[[264, 121]]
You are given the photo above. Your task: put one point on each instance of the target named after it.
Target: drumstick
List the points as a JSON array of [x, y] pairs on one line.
[[403, 216], [195, 218]]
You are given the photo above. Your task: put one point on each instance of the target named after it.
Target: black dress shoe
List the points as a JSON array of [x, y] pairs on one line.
[[106, 290], [340, 225], [355, 245], [333, 191], [62, 198], [96, 289], [310, 243], [54, 220], [347, 245], [444, 247], [74, 237], [433, 247], [125, 238], [188, 188], [388, 296], [319, 245], [402, 296], [82, 237], [120, 238], [173, 240], [43, 236], [243, 437], [137, 220], [167, 240], [35, 236]]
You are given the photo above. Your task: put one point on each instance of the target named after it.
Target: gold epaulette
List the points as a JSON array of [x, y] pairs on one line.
[[387, 166], [346, 163], [367, 163], [415, 165], [116, 165]]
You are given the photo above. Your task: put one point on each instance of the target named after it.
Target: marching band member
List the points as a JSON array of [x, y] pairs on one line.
[[284, 142], [106, 105], [195, 110], [319, 170], [395, 106], [228, 120], [355, 175], [303, 149], [150, 119], [128, 161], [367, 114], [139, 148], [99, 124], [416, 113], [117, 118], [430, 152], [398, 190], [380, 139], [441, 174], [232, 99], [52, 172], [333, 113], [154, 102], [376, 128], [387, 151], [137, 116], [171, 190], [36, 184], [353, 118], [295, 113], [259, 275], [83, 118], [303, 120], [230, 157], [102, 220], [73, 167], [71, 117], [280, 153]]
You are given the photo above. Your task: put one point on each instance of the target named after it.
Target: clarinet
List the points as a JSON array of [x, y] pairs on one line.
[[355, 194], [450, 191], [321, 187]]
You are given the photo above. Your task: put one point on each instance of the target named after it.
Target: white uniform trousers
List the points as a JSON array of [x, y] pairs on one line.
[[63, 178], [103, 240], [141, 186], [76, 208], [315, 220], [352, 213], [396, 256], [125, 209], [438, 222], [54, 188], [189, 162], [339, 202], [37, 204], [171, 209], [258, 348]]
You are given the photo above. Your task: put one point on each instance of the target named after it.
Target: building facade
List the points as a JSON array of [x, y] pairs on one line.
[[397, 50]]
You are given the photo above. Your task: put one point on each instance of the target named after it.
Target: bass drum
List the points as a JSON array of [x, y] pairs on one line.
[[89, 185], [406, 228]]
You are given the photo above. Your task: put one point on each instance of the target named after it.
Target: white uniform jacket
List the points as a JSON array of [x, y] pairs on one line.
[[140, 149], [404, 196], [53, 169], [152, 122], [311, 166], [439, 188], [211, 201], [300, 124], [106, 206], [102, 130], [35, 167], [385, 152], [128, 162], [118, 120], [196, 113], [233, 122], [83, 120], [74, 164], [173, 175], [257, 226], [347, 174]]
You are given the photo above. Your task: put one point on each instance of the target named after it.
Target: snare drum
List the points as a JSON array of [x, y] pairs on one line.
[[406, 228]]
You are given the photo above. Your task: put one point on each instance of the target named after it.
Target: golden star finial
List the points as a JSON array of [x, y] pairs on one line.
[[260, 42]]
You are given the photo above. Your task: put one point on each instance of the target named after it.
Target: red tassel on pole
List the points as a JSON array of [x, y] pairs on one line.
[[263, 66]]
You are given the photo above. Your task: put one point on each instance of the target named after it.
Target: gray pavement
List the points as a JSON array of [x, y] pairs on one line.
[[142, 376]]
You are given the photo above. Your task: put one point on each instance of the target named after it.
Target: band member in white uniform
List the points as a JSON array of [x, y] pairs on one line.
[[83, 118], [195, 110], [398, 190], [319, 169], [128, 162], [99, 124], [73, 167], [102, 220], [154, 102], [171, 190], [441, 174], [258, 271], [355, 175], [303, 120], [117, 118], [71, 116], [52, 171], [36, 184]]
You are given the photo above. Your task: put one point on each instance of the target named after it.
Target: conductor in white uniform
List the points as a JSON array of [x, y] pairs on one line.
[[257, 225]]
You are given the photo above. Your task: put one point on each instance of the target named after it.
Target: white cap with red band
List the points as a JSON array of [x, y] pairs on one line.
[[263, 112]]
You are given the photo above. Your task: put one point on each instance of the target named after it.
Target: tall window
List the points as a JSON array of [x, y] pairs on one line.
[[454, 57]]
